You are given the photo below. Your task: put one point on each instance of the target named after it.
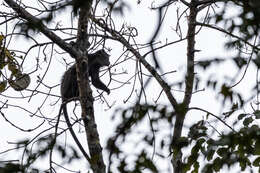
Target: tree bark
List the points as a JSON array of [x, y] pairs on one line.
[[181, 112], [86, 99]]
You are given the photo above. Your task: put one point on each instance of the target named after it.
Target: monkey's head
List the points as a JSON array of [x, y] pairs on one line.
[[102, 57]]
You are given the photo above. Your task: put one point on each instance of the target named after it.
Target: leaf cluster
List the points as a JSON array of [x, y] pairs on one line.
[[249, 16], [131, 117], [17, 80], [31, 155], [241, 147]]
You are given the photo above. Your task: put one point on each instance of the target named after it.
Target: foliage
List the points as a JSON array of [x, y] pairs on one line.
[[17, 80], [32, 154], [236, 147], [212, 143], [249, 17], [228, 149]]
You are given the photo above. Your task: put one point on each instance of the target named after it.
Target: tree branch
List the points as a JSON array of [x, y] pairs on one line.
[[200, 109], [42, 28], [97, 163], [228, 33], [166, 88], [189, 81], [85, 93]]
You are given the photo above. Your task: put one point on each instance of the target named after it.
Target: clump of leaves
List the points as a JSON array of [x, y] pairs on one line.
[[17, 80], [240, 147]]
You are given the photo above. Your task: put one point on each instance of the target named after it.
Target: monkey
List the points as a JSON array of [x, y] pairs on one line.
[[69, 85]]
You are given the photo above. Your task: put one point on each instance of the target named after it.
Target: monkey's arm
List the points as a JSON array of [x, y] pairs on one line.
[[94, 73]]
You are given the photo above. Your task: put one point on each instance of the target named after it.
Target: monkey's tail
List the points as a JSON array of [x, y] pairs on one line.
[[64, 109]]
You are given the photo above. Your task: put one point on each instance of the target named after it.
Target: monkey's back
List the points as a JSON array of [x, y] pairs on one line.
[[69, 85]]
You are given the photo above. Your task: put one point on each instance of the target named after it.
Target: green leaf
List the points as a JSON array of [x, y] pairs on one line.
[[222, 151], [241, 116], [240, 62], [256, 162], [210, 154], [3, 86], [217, 164], [257, 148], [247, 121], [226, 92], [243, 164], [196, 166], [257, 114]]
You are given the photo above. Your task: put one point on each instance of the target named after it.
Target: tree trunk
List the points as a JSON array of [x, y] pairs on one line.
[[182, 110], [86, 98]]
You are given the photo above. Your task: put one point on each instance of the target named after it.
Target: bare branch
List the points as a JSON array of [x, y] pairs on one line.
[[151, 69], [228, 33], [37, 22]]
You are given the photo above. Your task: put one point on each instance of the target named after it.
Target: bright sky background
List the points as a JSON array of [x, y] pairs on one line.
[[211, 44]]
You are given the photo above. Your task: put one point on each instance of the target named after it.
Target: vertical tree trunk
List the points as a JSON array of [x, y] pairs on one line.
[[86, 98], [183, 107]]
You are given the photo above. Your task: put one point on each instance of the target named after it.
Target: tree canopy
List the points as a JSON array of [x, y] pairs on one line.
[[183, 76]]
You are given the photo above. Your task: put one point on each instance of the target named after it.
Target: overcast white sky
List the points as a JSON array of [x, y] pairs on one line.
[[210, 43]]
